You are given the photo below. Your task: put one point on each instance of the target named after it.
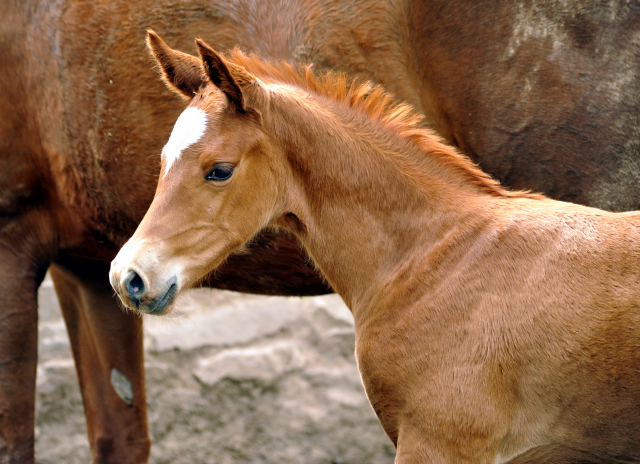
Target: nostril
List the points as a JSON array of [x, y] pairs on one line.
[[134, 286]]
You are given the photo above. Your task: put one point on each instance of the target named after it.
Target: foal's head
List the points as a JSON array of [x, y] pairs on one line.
[[217, 184]]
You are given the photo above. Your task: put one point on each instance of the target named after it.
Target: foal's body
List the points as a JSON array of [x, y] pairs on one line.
[[490, 325], [516, 328], [485, 325]]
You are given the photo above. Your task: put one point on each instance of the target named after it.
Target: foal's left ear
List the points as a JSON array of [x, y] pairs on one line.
[[224, 75]]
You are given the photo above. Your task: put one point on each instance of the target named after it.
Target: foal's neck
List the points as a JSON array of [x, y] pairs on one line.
[[369, 199]]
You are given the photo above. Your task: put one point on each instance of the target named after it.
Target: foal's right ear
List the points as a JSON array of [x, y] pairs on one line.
[[182, 73]]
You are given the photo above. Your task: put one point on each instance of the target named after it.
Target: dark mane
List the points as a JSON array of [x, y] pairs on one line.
[[374, 101]]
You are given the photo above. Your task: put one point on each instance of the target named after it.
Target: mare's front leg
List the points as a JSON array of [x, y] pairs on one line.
[[108, 351], [19, 281]]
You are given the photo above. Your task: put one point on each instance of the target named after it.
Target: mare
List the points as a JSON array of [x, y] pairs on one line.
[[543, 94], [491, 325]]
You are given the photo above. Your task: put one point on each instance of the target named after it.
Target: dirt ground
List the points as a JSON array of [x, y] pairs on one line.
[[235, 379]]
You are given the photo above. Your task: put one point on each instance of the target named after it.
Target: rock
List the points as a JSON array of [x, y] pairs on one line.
[[263, 365]]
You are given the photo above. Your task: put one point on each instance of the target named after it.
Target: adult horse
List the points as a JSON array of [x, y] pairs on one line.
[[491, 325], [543, 94]]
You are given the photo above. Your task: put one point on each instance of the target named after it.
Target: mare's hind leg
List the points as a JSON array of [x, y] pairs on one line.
[[18, 356], [107, 347]]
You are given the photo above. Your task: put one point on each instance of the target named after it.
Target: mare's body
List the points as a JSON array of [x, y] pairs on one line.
[[544, 95], [492, 326]]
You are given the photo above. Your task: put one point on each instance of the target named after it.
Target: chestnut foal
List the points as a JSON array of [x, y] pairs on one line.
[[491, 326]]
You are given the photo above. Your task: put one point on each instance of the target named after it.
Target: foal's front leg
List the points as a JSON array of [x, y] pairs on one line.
[[415, 447]]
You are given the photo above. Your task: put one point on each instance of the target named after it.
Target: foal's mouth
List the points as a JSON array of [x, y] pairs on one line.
[[156, 307]]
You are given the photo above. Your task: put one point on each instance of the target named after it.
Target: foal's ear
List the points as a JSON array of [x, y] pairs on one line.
[[226, 76], [183, 73]]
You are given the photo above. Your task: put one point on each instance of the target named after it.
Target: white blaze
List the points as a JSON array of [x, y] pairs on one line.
[[188, 129]]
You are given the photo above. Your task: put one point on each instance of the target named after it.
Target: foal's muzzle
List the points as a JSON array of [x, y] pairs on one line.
[[135, 292]]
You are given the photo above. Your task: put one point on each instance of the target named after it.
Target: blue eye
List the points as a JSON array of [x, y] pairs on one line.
[[221, 171]]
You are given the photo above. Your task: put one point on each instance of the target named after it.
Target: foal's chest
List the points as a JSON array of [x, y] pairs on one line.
[[422, 380]]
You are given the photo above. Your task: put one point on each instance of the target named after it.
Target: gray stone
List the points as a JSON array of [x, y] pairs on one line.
[[264, 364]]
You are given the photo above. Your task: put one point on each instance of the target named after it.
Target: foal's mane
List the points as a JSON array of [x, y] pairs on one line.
[[375, 102]]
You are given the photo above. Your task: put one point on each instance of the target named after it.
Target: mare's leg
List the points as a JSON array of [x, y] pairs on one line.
[[19, 282], [107, 347]]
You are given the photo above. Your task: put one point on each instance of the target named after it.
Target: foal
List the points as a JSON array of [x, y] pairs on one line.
[[490, 325]]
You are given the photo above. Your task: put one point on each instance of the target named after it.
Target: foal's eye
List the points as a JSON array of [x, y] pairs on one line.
[[221, 171]]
